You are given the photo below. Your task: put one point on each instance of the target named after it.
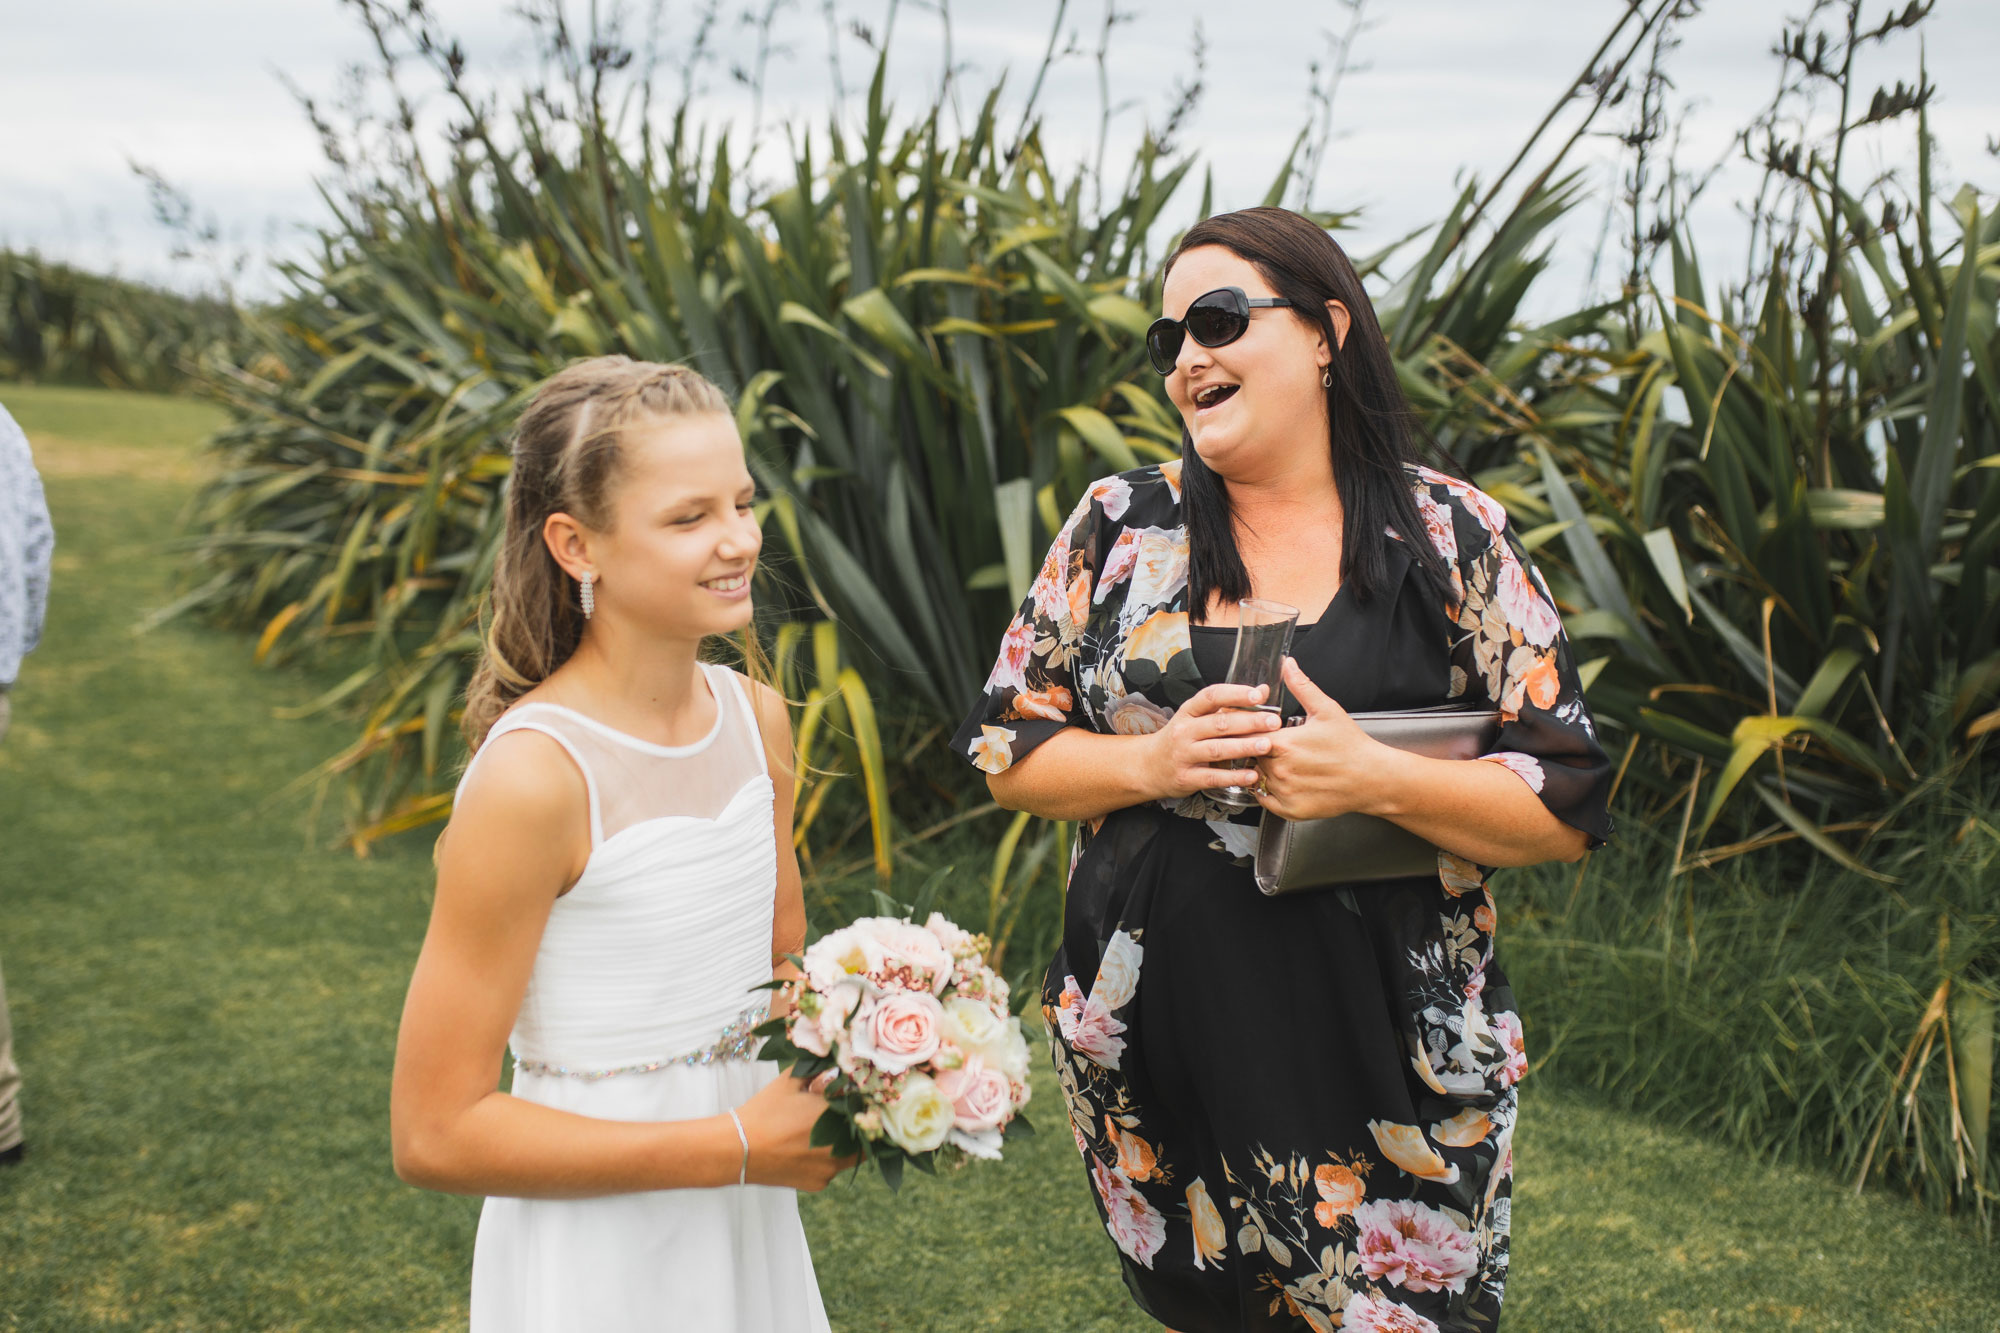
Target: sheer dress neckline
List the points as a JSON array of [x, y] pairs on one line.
[[610, 732]]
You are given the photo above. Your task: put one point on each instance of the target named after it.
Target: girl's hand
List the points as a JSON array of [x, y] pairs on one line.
[[778, 1121], [1326, 766], [1208, 739]]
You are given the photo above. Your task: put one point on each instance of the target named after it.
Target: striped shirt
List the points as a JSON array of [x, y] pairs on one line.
[[27, 542]]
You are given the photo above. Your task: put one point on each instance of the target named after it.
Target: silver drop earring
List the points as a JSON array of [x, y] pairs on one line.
[[588, 595], [1326, 378]]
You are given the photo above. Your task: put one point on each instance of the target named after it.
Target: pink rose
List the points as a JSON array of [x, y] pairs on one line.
[[1051, 587], [807, 1035], [1491, 513], [1437, 525], [981, 1098], [1011, 671], [1118, 562], [954, 938], [1088, 1027], [1507, 1031], [1136, 1225], [1526, 767], [1413, 1246], [912, 957], [1522, 603], [1368, 1313], [899, 1032]]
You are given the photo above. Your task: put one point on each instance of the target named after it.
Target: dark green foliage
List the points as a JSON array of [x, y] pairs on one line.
[[1783, 1003], [61, 325]]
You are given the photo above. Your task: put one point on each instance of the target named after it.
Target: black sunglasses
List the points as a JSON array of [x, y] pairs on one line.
[[1215, 318]]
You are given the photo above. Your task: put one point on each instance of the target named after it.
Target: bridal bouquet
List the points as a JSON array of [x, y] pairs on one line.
[[925, 1059]]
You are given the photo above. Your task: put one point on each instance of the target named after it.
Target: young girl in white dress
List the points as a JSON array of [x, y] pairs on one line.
[[616, 877]]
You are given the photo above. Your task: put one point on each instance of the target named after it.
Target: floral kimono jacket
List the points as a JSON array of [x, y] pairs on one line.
[[1295, 1112]]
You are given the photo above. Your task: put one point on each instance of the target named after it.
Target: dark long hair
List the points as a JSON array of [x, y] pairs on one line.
[[1372, 434]]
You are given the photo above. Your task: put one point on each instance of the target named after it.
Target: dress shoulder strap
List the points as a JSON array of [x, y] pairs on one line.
[[545, 719], [756, 732]]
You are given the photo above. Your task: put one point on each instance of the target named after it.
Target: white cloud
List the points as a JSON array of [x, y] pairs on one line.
[[1449, 84]]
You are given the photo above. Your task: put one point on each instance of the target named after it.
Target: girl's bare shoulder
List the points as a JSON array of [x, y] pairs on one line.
[[522, 778]]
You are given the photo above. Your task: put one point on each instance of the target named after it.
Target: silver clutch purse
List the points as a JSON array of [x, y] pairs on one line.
[[1352, 848]]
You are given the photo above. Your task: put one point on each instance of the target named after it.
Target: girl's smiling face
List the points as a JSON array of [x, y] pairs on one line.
[[682, 543], [1248, 404]]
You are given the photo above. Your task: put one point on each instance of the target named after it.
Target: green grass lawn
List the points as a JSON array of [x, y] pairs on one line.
[[205, 1004]]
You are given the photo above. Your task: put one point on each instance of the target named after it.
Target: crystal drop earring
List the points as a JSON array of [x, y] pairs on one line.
[[588, 594]]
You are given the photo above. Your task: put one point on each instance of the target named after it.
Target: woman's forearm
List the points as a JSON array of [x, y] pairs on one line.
[[505, 1145], [1079, 775], [1473, 808]]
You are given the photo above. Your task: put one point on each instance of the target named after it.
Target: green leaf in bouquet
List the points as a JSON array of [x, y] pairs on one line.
[[926, 1163], [891, 1163], [835, 1131], [786, 1056], [1017, 1128]]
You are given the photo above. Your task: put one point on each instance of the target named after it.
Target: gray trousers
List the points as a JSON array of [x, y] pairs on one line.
[[10, 1074]]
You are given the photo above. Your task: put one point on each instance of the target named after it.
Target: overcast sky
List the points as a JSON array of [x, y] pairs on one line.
[[193, 89]]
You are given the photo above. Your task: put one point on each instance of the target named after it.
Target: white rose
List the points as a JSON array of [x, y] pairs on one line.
[[840, 954], [971, 1025], [919, 1120], [1012, 1057], [1160, 568], [1118, 973]]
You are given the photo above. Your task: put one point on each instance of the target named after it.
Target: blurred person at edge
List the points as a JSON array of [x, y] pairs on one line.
[[27, 540]]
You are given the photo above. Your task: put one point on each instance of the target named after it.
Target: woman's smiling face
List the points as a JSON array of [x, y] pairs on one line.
[[683, 540], [1249, 404]]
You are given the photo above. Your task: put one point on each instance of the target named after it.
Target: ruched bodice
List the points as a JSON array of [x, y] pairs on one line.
[[657, 946]]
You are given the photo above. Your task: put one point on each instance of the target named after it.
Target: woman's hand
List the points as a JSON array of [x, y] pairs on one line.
[[1208, 739], [778, 1121], [1326, 766]]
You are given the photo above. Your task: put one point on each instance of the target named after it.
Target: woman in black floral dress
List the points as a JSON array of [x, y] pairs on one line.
[[1295, 1112]]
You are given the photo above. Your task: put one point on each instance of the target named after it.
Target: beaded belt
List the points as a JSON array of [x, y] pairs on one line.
[[735, 1044]]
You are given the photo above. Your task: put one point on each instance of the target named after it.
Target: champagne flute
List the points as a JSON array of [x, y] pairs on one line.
[[1263, 637]]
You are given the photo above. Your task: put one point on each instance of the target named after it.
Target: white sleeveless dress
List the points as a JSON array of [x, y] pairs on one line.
[[639, 1009]]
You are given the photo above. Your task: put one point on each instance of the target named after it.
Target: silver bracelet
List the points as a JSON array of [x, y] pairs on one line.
[[742, 1172]]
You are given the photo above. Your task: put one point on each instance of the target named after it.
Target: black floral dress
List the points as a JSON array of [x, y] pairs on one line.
[[1295, 1112]]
